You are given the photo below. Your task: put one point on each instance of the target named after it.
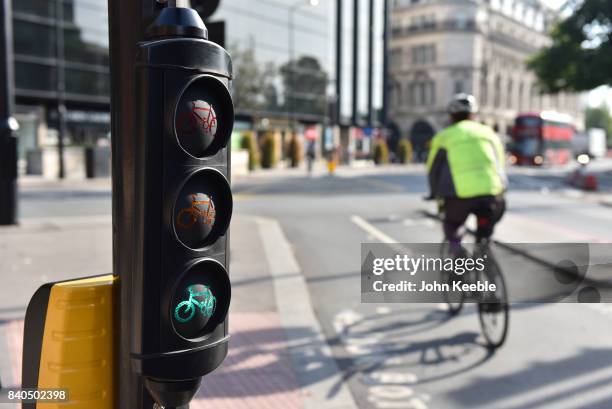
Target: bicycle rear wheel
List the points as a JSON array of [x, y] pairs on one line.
[[454, 300], [493, 307]]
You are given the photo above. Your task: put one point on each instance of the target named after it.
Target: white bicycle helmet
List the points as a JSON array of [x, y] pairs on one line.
[[463, 103]]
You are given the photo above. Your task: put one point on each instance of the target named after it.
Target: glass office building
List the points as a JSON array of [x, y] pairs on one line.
[[266, 30], [72, 36], [67, 35], [363, 63], [275, 32]]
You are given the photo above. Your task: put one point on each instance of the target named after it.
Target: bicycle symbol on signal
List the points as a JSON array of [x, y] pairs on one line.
[[202, 115], [185, 310], [203, 208]]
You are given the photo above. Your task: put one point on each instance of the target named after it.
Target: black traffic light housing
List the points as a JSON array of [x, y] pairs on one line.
[[180, 278]]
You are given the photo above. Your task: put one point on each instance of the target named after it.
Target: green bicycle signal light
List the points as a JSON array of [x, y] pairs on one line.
[[201, 299]]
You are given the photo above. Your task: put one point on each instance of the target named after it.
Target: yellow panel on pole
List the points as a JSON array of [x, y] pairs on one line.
[[77, 345]]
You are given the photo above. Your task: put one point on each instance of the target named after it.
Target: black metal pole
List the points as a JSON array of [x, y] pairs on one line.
[[127, 23], [61, 85], [339, 20], [8, 125], [355, 116], [371, 64], [291, 82], [385, 90]]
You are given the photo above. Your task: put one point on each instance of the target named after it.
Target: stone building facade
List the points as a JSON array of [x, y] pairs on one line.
[[442, 47]]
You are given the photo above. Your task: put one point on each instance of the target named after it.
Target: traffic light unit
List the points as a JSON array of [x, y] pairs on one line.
[[180, 281]]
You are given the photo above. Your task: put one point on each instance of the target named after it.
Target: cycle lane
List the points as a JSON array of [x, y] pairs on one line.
[[419, 352]]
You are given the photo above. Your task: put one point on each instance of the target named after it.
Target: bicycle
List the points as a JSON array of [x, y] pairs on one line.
[[189, 216], [202, 114], [493, 307], [185, 310]]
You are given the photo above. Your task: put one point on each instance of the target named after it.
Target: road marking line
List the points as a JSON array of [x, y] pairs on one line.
[[373, 231], [326, 386], [383, 310], [387, 388]]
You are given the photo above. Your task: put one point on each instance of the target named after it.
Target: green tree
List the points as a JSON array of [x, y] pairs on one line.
[[599, 117], [252, 88], [580, 56], [306, 83]]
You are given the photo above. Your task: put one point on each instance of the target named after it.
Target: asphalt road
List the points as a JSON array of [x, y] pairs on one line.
[[413, 356]]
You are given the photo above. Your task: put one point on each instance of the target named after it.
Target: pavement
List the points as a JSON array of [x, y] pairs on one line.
[[301, 337], [278, 356]]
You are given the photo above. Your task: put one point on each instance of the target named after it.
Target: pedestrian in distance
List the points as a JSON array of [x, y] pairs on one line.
[[310, 156]]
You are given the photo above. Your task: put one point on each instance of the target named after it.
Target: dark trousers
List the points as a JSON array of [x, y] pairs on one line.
[[488, 210]]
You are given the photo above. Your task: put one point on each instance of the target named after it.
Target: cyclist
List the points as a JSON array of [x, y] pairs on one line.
[[466, 172]]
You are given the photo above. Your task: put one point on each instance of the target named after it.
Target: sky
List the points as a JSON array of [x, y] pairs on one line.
[[553, 3]]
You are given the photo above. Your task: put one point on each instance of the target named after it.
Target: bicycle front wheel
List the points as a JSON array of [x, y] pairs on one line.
[[493, 307], [186, 218], [184, 312]]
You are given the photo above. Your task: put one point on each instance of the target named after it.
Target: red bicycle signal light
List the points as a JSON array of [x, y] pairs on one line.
[[204, 117]]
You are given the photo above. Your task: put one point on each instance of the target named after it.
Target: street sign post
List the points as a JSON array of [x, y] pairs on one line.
[[172, 120]]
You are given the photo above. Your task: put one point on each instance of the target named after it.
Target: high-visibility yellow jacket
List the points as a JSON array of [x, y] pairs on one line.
[[466, 160]]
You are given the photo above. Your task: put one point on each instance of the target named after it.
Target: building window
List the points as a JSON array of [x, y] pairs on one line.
[[484, 91], [422, 93], [414, 25], [458, 87], [396, 31], [87, 82], [509, 96], [36, 7], [423, 54], [35, 76], [417, 54], [34, 39], [412, 94], [497, 92], [399, 94], [432, 93], [396, 57], [460, 20]]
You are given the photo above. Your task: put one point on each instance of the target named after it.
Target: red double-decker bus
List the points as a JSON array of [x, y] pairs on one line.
[[542, 138]]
